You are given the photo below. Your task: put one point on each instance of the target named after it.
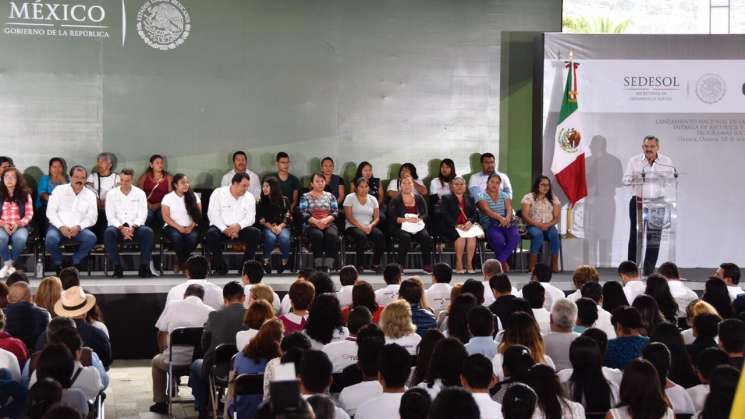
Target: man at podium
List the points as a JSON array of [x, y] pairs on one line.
[[651, 163]]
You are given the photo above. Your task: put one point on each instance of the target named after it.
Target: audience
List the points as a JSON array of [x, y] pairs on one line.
[[423, 356], [43, 396], [705, 329], [100, 182], [181, 210], [196, 272], [370, 342], [256, 314], [301, 295], [445, 366], [641, 394], [659, 355], [681, 368], [240, 166], [477, 378], [629, 342], [324, 321], [650, 313], [658, 288], [47, 293], [24, 319], [490, 268], [557, 342], [398, 327], [614, 296], [404, 171], [392, 277], [534, 293], [582, 275], [542, 274], [411, 291], [679, 291], [454, 402], [551, 400], [348, 276], [343, 353], [293, 343], [438, 294], [730, 274], [519, 402], [707, 361], [393, 370], [319, 211], [364, 171], [732, 340], [721, 396], [415, 404], [457, 322], [251, 276], [522, 330], [594, 292], [587, 382], [481, 327], [504, 302], [630, 275], [717, 294], [57, 363], [587, 314]]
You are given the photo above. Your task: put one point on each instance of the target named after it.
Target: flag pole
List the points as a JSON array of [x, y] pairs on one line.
[[570, 208]]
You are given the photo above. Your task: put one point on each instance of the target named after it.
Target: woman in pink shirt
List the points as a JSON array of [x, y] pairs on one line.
[[16, 211]]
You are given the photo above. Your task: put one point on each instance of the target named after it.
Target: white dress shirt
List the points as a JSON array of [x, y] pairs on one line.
[[408, 342], [573, 297], [342, 353], [286, 305], [661, 167], [243, 338], [384, 406], [101, 185], [603, 323], [254, 183], [225, 209], [344, 295], [734, 291], [436, 187], [9, 362], [353, 396], [698, 396], [682, 295], [569, 410], [189, 312], [543, 318], [438, 296], [633, 289], [65, 208], [387, 295], [247, 302], [488, 408], [488, 295], [679, 399], [177, 208], [477, 183], [128, 208], [212, 293]]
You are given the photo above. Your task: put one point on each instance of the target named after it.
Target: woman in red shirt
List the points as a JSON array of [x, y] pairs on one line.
[[16, 211], [156, 182]]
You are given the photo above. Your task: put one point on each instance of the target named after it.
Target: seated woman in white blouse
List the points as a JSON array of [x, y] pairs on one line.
[[325, 322], [397, 326], [440, 186], [181, 212]]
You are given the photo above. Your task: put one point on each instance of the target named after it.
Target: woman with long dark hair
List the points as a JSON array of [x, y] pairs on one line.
[[586, 383], [641, 394], [649, 312], [324, 321], [681, 367], [365, 171], [182, 213], [722, 388], [659, 289], [521, 330], [458, 317], [363, 295], [541, 211], [613, 296], [659, 355], [273, 213], [551, 401], [445, 366], [423, 355], [16, 212], [440, 185], [362, 218], [516, 362], [406, 170], [717, 294], [334, 183], [157, 183], [495, 212]]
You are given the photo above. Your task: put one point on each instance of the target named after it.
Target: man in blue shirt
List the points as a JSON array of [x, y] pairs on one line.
[[481, 326], [411, 291]]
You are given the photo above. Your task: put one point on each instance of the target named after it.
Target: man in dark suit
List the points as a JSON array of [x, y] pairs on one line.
[[221, 327], [24, 319], [504, 302]]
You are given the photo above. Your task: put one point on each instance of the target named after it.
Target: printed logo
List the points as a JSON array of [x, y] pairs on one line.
[[569, 139], [163, 24], [710, 88]]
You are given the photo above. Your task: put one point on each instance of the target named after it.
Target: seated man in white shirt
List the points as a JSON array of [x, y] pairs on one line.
[[189, 312], [232, 213], [681, 293], [71, 211], [370, 342], [394, 364], [252, 274], [535, 295], [489, 268], [730, 274], [438, 294], [392, 278], [348, 275], [240, 165], [343, 353], [315, 377], [594, 291], [557, 342], [126, 213], [633, 285], [477, 182], [196, 271], [477, 378], [542, 274]]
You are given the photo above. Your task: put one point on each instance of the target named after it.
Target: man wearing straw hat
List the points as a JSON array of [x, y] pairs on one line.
[[75, 304]]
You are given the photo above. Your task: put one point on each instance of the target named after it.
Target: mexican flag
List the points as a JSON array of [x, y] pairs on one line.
[[570, 150]]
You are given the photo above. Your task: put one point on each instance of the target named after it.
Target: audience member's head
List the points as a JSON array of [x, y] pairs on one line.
[[584, 274], [563, 316], [587, 384], [517, 360], [732, 337], [19, 292], [475, 288], [491, 267], [305, 273], [323, 407], [69, 277], [534, 294], [500, 285], [370, 342], [424, 354], [544, 381], [261, 292], [659, 289], [44, 394], [599, 337], [593, 291], [70, 338], [301, 294], [17, 276], [587, 312], [266, 344], [730, 273], [74, 302], [56, 362], [48, 293], [523, 330], [480, 321], [315, 372], [706, 325], [613, 296], [395, 321], [717, 294], [295, 340], [649, 312], [458, 316], [411, 291], [194, 290], [641, 392], [257, 313], [541, 273], [348, 275], [415, 404], [447, 362], [232, 292], [197, 267], [519, 402], [627, 321], [669, 270], [392, 273], [477, 374], [252, 272], [659, 355], [628, 270], [324, 318], [454, 402], [709, 359], [442, 273], [322, 281], [364, 295], [722, 388], [393, 367], [358, 317]]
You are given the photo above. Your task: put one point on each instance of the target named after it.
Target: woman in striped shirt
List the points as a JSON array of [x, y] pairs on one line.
[[16, 211], [495, 211]]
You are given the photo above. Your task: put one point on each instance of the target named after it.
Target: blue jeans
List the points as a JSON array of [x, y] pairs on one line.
[[199, 387], [284, 243], [537, 236], [17, 240], [182, 244], [154, 218], [143, 237], [86, 239]]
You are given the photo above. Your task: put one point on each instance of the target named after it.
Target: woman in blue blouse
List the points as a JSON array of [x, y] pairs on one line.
[[319, 210], [495, 212], [48, 182]]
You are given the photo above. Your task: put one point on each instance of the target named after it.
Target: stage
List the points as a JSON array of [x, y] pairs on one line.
[[132, 305]]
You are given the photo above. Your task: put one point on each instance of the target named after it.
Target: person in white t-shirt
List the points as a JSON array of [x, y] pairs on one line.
[[257, 313], [438, 294], [489, 268], [126, 213], [362, 213], [641, 392], [659, 355], [370, 342], [315, 373], [9, 362], [680, 292], [477, 378], [102, 180], [343, 353], [730, 274], [196, 273], [707, 361], [392, 278], [240, 165], [394, 364], [189, 312], [633, 285], [594, 292], [406, 170], [534, 293], [398, 327], [348, 275], [545, 382], [232, 213], [182, 212], [542, 274], [440, 185]]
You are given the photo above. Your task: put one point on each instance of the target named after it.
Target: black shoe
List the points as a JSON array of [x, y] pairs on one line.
[[377, 269], [267, 267], [221, 270], [118, 271], [160, 408], [144, 271], [283, 267]]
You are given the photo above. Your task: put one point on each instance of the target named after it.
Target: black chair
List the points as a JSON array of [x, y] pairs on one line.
[[66, 248], [219, 373], [525, 236], [182, 337], [248, 385]]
